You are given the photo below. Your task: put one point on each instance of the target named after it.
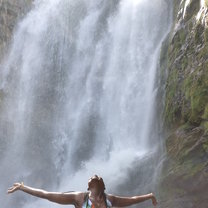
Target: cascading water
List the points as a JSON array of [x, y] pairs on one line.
[[78, 96]]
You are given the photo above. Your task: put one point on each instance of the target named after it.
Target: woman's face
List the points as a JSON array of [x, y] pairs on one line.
[[95, 185]]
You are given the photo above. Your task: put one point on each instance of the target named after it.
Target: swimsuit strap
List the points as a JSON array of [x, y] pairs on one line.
[[107, 202], [86, 196]]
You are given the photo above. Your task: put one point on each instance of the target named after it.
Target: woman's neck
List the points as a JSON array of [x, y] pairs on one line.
[[96, 195]]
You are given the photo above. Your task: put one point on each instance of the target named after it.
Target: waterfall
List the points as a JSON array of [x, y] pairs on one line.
[[78, 96]]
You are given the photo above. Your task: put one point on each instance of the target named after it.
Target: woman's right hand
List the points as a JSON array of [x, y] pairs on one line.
[[15, 187], [154, 200]]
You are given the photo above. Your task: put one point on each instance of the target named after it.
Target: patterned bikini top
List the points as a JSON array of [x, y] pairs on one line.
[[88, 204]]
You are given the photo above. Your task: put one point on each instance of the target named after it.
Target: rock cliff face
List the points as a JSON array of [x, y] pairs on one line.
[[11, 11], [184, 65]]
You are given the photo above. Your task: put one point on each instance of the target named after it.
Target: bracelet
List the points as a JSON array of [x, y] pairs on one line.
[[21, 185]]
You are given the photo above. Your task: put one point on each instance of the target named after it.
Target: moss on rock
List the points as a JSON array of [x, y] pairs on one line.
[[196, 92], [186, 111]]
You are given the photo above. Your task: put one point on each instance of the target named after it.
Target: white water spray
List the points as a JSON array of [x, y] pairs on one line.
[[78, 85]]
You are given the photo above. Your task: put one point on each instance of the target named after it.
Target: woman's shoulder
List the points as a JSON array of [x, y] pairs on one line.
[[109, 196], [109, 199], [80, 198]]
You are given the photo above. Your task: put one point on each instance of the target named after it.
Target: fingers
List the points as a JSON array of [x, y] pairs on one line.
[[10, 190], [15, 187], [154, 200]]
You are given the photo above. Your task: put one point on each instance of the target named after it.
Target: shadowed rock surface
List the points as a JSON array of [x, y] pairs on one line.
[[10, 13]]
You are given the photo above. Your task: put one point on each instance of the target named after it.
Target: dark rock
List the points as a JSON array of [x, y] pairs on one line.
[[10, 13]]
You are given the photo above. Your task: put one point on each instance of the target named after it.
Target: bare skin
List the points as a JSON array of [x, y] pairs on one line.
[[96, 196]]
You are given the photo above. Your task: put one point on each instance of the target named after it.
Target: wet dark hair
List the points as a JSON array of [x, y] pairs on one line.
[[97, 179]]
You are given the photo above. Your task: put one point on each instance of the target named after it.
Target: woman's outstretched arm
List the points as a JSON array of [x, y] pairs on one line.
[[118, 201], [58, 197]]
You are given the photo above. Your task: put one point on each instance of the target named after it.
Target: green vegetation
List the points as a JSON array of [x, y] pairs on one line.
[[206, 35], [186, 107], [196, 91], [172, 109], [191, 169], [198, 32], [205, 146], [205, 115], [185, 62], [187, 87]]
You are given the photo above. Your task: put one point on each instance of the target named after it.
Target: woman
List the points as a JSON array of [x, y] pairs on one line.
[[95, 198]]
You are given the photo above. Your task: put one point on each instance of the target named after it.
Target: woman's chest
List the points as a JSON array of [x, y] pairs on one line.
[[94, 204]]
